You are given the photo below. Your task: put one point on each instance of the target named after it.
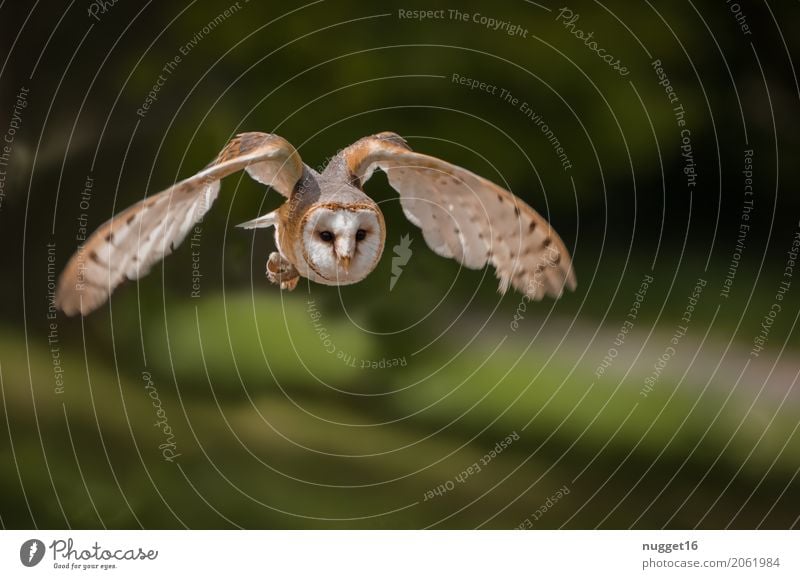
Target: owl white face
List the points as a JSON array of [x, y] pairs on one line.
[[343, 244]]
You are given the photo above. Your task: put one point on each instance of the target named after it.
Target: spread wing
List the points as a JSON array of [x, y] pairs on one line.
[[127, 246], [468, 218]]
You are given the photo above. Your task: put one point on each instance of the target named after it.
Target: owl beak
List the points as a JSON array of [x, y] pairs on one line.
[[344, 261]]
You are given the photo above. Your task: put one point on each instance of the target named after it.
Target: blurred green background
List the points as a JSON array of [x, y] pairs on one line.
[[360, 407]]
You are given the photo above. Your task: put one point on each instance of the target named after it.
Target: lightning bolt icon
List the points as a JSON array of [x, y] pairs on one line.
[[34, 549], [402, 255]]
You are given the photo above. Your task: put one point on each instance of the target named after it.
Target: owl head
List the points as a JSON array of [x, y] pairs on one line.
[[343, 242]]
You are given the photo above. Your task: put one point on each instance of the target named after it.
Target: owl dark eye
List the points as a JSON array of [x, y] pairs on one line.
[[326, 236], [360, 235]]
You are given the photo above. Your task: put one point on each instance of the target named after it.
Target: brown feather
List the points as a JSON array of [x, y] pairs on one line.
[[128, 245], [469, 218]]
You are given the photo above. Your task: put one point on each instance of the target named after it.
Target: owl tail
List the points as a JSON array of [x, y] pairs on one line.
[[267, 220]]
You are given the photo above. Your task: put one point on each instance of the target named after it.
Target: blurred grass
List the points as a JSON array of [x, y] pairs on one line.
[[248, 441]]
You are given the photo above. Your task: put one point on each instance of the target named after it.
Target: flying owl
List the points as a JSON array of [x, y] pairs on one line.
[[328, 230]]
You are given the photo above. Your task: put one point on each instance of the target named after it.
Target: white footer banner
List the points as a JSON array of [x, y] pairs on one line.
[[356, 554]]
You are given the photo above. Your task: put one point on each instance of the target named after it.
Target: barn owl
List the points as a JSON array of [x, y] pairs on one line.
[[328, 230]]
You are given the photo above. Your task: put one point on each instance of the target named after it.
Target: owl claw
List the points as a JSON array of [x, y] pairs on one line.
[[290, 284], [281, 272]]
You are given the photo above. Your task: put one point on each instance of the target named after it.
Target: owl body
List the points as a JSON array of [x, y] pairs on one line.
[[329, 230]]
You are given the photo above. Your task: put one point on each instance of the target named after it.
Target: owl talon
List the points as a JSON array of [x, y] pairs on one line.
[[290, 284], [281, 272]]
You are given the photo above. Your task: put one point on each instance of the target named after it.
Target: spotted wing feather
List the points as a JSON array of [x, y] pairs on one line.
[[468, 218], [128, 245]]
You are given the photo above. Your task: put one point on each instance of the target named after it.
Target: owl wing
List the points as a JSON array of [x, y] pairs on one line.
[[127, 246], [468, 218]]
